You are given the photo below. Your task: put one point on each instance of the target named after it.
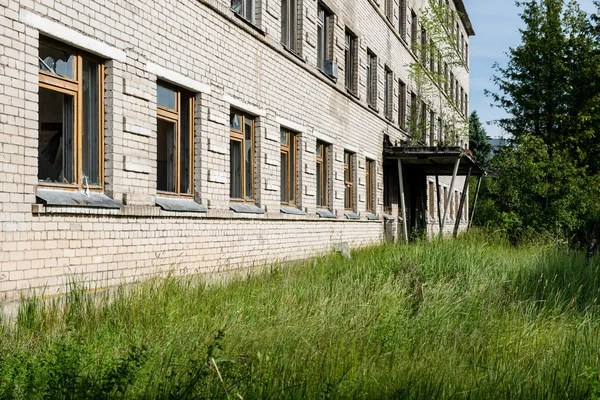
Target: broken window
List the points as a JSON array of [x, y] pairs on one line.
[[70, 122]]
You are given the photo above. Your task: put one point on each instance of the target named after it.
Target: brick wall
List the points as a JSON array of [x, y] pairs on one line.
[[228, 64]]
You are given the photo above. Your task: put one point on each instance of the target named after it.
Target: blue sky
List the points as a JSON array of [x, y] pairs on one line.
[[496, 24]]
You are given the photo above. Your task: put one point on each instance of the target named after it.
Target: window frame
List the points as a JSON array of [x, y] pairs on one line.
[[350, 61], [322, 159], [74, 87], [371, 86], [388, 102], [349, 187], [289, 25], [243, 13], [324, 39], [401, 104], [175, 116], [370, 183], [291, 149], [402, 14], [239, 136]]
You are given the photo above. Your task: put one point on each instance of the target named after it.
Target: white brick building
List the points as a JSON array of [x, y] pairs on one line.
[[204, 135]]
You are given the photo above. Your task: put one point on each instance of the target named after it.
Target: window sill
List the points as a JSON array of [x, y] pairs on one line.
[[291, 210], [331, 78], [353, 93], [373, 108], [294, 53], [246, 208], [351, 215], [249, 23], [179, 205], [371, 217], [325, 214], [66, 198]]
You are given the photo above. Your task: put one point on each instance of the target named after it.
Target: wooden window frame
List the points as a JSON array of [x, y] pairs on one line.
[[370, 182], [323, 161], [431, 200], [174, 116], [239, 136], [74, 87], [290, 148], [349, 187]]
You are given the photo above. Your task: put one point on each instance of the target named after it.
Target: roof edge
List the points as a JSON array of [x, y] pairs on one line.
[[464, 16]]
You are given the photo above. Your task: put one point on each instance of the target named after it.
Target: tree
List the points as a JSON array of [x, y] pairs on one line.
[[547, 181], [478, 142], [549, 87]]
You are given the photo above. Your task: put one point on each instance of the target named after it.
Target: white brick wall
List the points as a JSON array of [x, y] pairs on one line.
[[202, 46]]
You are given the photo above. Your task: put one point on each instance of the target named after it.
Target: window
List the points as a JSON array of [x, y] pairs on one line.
[[413, 114], [71, 120], [414, 29], [456, 205], [289, 149], [244, 8], [350, 61], [423, 121], [241, 157], [467, 55], [466, 105], [402, 104], [389, 10], [323, 36], [174, 140], [349, 180], [389, 93], [446, 78], [431, 127], [432, 54], [461, 101], [322, 173], [431, 200], [371, 79], [289, 24], [370, 182], [402, 19], [424, 51], [451, 86], [445, 198], [440, 133]]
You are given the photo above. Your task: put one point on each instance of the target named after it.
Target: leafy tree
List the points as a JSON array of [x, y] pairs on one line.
[[478, 142], [547, 182]]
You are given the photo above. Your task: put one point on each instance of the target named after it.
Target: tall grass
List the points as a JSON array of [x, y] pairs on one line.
[[470, 318]]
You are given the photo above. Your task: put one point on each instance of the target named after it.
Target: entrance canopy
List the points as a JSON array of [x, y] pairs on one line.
[[435, 160], [453, 161]]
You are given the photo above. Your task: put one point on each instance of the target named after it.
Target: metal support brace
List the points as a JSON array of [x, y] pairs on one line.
[[462, 203], [450, 194], [402, 202], [474, 202]]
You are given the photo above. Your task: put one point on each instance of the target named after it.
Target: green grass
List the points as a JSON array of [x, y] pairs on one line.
[[471, 318]]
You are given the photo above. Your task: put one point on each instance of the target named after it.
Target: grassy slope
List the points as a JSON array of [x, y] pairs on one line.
[[454, 319]]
